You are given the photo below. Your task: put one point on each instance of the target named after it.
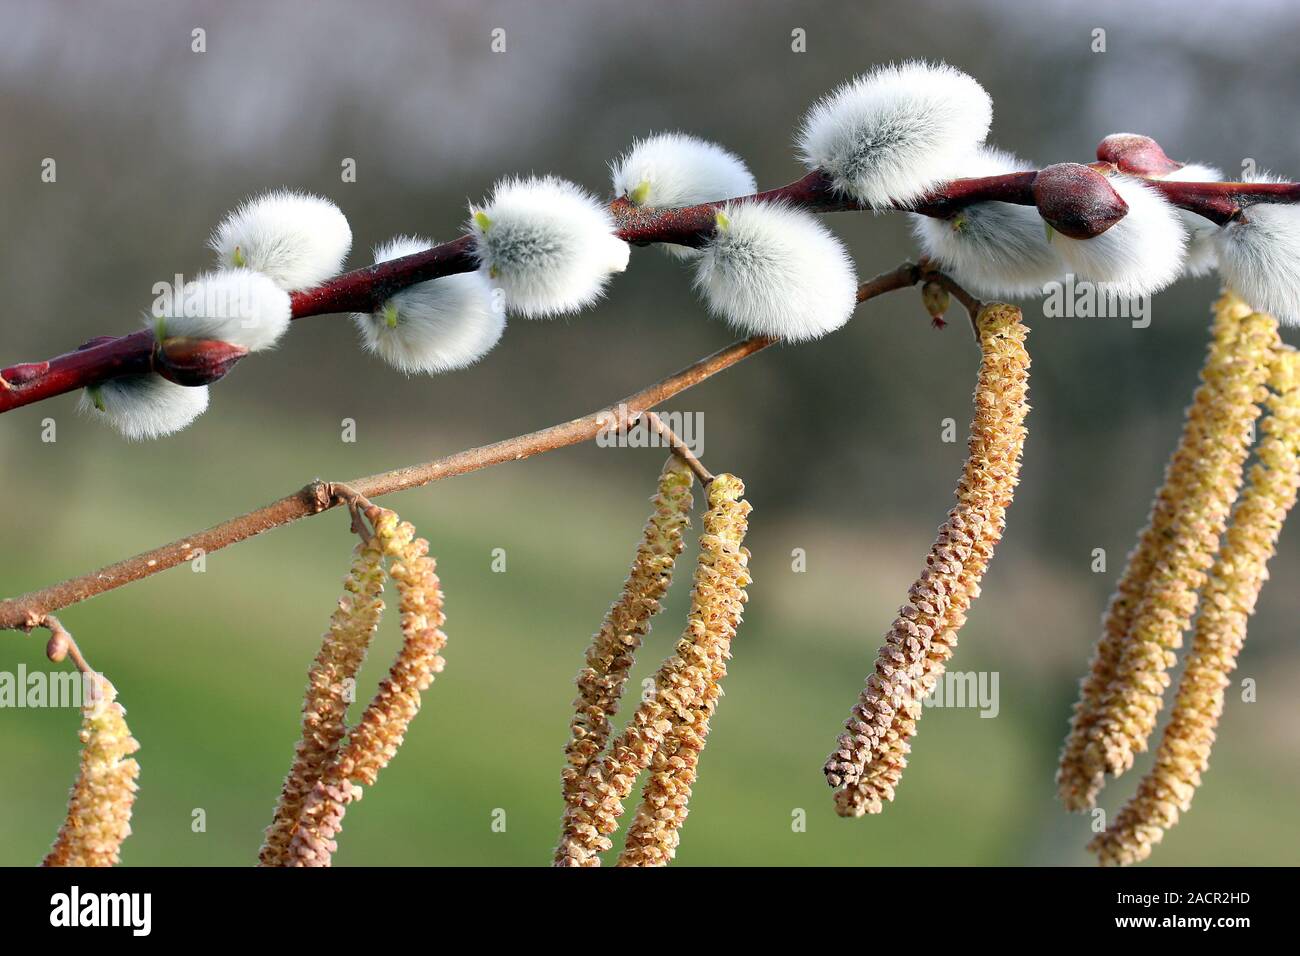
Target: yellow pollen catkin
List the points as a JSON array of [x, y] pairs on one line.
[[1220, 403], [331, 681], [99, 805], [676, 712], [1121, 698], [1229, 600], [870, 756], [375, 739], [613, 648]]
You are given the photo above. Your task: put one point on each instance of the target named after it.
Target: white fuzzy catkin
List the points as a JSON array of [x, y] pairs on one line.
[[1140, 254], [888, 137], [548, 244], [435, 326], [297, 239], [775, 270], [1202, 258], [144, 406], [1259, 256], [670, 170], [995, 249], [238, 306]]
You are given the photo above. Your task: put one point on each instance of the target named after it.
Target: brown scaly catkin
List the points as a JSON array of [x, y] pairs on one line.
[[330, 681], [1230, 595], [375, 739], [1236, 374], [1080, 776], [685, 692], [872, 753], [99, 806], [613, 648]]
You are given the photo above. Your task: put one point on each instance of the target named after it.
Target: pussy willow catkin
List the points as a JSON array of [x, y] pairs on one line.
[[677, 710], [1082, 773], [872, 753], [373, 742], [1229, 600], [1122, 696], [99, 806], [613, 648], [330, 685]]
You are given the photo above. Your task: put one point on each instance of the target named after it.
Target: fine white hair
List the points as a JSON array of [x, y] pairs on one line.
[[1140, 254], [891, 135], [548, 244], [297, 239], [994, 249], [1259, 256], [775, 270], [238, 306], [670, 170], [1201, 232], [435, 326], [144, 406]]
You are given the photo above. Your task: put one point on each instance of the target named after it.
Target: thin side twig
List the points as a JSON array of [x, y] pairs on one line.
[[28, 610]]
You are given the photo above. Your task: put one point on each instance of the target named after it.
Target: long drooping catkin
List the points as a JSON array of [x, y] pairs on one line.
[[872, 753], [653, 837], [331, 682], [685, 689], [1202, 498], [373, 742], [99, 806], [613, 648], [1081, 774], [1230, 595]]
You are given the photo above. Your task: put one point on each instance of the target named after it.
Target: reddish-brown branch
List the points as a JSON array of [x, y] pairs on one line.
[[366, 289], [30, 610]]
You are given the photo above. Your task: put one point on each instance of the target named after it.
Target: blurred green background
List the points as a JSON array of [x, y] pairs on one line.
[[839, 441]]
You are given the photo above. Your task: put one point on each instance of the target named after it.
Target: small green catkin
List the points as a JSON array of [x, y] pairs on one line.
[[613, 648]]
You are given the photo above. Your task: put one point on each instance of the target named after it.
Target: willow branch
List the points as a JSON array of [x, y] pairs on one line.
[[30, 610], [366, 289]]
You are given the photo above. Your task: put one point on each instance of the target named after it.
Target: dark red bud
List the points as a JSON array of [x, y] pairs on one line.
[[191, 362], [1139, 155], [1077, 201]]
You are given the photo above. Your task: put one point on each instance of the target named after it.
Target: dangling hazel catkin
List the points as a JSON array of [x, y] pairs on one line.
[[653, 837], [330, 681], [1229, 600], [685, 692], [99, 805], [872, 753], [374, 740], [1156, 597], [613, 648]]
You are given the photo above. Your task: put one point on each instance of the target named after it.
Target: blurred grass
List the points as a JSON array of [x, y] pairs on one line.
[[211, 666]]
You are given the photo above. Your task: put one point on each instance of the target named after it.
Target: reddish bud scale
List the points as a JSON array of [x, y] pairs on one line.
[[192, 362], [1136, 154], [1077, 201]]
